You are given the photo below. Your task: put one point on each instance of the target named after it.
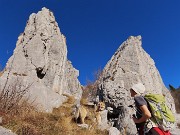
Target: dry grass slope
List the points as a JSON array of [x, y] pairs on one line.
[[23, 119], [28, 121]]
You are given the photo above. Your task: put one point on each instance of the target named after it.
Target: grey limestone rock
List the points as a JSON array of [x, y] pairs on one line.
[[175, 131], [40, 59], [113, 131], [86, 126], [4, 131], [129, 65]]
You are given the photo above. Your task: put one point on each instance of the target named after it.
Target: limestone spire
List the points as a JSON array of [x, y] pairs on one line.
[[129, 65], [40, 58]]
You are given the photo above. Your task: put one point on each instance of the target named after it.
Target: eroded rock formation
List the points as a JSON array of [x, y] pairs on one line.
[[129, 65], [40, 59]]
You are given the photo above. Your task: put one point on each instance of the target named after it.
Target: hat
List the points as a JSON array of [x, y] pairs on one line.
[[139, 88]]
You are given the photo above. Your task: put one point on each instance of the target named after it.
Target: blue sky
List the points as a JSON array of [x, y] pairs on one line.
[[94, 30]]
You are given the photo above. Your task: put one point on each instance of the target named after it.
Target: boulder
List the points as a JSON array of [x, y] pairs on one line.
[[113, 131]]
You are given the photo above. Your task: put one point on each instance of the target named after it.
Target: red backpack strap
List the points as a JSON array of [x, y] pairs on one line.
[[160, 132]]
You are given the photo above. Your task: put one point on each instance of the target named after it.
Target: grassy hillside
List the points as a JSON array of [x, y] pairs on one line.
[[28, 121]]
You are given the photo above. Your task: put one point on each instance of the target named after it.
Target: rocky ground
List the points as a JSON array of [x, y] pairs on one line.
[[4, 131]]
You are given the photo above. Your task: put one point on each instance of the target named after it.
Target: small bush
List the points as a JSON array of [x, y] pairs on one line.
[[11, 97], [90, 90], [1, 73], [176, 96]]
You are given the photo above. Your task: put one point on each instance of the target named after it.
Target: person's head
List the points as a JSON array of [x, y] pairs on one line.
[[138, 88]]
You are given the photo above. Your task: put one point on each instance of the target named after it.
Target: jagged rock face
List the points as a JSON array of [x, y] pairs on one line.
[[40, 59], [129, 65]]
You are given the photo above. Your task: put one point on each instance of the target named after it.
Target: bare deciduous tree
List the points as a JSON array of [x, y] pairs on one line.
[[90, 90], [11, 94]]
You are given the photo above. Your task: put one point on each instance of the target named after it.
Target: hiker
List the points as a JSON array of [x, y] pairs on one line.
[[143, 113]]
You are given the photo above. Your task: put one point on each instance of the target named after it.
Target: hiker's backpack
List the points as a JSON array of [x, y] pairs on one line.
[[162, 115]]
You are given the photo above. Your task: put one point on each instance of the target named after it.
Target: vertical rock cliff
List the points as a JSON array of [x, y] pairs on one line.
[[129, 65], [40, 59]]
